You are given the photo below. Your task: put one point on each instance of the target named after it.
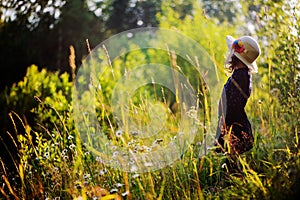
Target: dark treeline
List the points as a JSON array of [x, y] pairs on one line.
[[44, 39], [42, 31]]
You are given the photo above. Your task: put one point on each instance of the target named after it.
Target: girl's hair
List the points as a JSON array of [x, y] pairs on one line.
[[234, 61]]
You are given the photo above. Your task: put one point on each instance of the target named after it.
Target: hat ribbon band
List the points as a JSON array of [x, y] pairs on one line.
[[246, 57]]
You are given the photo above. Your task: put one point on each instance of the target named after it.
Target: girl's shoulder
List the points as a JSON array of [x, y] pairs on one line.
[[241, 73]]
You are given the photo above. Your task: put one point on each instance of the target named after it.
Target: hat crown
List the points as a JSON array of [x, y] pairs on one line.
[[251, 49]]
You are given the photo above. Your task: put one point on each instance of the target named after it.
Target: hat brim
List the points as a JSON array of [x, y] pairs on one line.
[[252, 66], [229, 42]]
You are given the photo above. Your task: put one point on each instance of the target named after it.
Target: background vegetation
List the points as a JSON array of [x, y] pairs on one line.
[[41, 155]]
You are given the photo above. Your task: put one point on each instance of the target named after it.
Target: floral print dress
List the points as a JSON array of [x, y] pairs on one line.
[[234, 133]]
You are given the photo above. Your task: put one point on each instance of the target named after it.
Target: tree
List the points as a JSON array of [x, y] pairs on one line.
[[127, 14], [42, 31], [31, 13], [228, 11], [45, 39], [281, 49]]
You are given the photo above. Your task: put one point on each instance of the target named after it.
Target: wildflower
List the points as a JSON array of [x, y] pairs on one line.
[[86, 176], [133, 168], [135, 175], [55, 169], [192, 113], [72, 146], [78, 186], [223, 165], [87, 153], [125, 193], [148, 149], [114, 190], [115, 154], [99, 159], [85, 183], [195, 130], [103, 171], [47, 154], [131, 162], [134, 133], [148, 164], [119, 185], [119, 133], [208, 148], [64, 151], [70, 137], [116, 163], [136, 149]]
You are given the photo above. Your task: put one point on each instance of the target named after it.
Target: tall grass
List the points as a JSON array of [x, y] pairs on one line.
[[59, 169]]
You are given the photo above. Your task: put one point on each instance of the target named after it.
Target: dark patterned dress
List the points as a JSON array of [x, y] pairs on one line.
[[236, 136]]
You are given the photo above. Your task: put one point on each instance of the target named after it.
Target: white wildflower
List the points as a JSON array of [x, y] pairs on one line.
[[85, 176], [47, 154], [135, 175], [70, 137], [64, 151], [103, 171], [113, 190], [72, 146], [223, 165], [119, 133], [133, 168], [148, 164], [125, 193], [119, 185]]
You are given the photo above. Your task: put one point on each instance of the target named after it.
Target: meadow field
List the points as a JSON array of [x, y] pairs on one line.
[[51, 149]]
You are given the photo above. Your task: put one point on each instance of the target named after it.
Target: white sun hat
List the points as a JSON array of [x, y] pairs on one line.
[[244, 48]]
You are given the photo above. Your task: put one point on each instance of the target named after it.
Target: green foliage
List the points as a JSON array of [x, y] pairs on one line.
[[30, 97], [199, 27], [37, 117], [281, 52]]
